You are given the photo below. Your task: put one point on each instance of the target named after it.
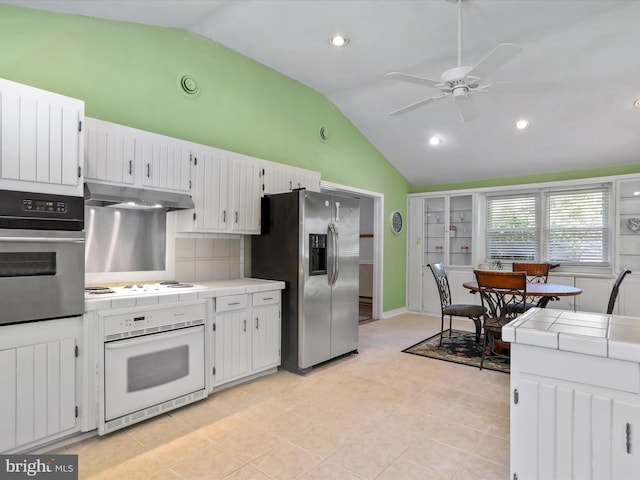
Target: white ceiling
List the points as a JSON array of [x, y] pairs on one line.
[[586, 51]]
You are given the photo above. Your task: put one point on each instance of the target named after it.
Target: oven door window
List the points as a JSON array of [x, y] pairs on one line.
[[27, 264], [157, 368]]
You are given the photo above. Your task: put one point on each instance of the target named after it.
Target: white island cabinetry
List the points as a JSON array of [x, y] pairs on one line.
[[575, 388]]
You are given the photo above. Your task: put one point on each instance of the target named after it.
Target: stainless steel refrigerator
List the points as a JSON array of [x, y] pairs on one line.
[[311, 241]]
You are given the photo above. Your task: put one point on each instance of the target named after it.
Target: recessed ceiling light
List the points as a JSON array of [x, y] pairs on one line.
[[338, 40], [522, 124], [637, 103], [434, 141], [636, 193]]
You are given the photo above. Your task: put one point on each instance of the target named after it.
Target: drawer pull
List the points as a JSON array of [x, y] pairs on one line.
[[628, 434], [268, 298], [234, 303]]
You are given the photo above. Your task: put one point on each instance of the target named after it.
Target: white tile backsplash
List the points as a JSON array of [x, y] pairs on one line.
[[208, 259]]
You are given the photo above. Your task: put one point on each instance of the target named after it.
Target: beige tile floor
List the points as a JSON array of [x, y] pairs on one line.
[[381, 414]]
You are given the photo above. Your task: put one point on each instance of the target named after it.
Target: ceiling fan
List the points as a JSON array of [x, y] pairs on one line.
[[462, 80]]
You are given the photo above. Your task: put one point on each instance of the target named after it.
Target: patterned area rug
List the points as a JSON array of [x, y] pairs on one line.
[[460, 348]]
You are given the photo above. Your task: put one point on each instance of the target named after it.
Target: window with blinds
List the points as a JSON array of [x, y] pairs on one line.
[[564, 226], [577, 226], [512, 227]]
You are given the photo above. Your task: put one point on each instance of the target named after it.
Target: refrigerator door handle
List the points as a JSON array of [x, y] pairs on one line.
[[333, 274]]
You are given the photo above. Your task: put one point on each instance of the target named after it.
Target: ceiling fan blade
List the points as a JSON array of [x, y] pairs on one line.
[[467, 108], [405, 77], [413, 106], [496, 58]]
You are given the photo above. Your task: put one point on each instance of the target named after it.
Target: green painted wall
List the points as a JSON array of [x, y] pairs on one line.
[[128, 73]]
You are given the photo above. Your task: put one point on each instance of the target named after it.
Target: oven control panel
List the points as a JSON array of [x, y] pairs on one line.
[[145, 320], [31, 205]]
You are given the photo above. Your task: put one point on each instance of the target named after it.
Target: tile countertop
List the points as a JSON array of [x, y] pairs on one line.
[[206, 290], [597, 334]]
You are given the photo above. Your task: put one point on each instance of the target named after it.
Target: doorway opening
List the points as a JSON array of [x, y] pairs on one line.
[[371, 242]]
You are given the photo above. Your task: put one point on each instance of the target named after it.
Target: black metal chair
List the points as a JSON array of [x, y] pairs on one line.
[[503, 296], [472, 312], [616, 289], [536, 273]]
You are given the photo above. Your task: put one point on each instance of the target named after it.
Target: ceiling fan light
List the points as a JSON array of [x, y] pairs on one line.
[[433, 141], [338, 41], [522, 124]]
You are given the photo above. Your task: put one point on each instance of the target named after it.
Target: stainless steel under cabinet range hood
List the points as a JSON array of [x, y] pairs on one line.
[[104, 195]]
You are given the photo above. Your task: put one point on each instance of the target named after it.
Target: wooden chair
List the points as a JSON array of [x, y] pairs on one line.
[[536, 273], [615, 289], [503, 296], [472, 312]]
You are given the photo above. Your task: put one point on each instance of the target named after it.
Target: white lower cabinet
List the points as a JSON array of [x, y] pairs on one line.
[[246, 336], [38, 383], [573, 416]]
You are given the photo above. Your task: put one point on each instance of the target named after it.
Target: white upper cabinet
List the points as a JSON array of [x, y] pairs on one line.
[[123, 155], [41, 140], [109, 152], [278, 178], [226, 193]]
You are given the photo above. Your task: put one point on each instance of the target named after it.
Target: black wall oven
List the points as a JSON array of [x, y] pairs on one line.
[[41, 256]]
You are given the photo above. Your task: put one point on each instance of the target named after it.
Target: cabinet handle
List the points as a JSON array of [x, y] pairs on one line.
[[628, 435], [224, 216], [290, 185], [298, 184], [268, 298], [236, 216], [130, 167], [148, 170], [256, 323], [244, 325]]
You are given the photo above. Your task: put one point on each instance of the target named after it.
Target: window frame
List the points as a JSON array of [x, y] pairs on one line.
[[541, 248]]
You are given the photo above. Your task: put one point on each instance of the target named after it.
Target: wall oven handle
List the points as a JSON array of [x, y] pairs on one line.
[[42, 239], [132, 342]]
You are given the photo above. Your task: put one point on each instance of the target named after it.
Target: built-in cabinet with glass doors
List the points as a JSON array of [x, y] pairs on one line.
[[629, 227], [440, 231]]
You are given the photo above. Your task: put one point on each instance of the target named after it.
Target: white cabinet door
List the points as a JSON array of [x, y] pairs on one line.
[[209, 193], [625, 440], [109, 153], [245, 195], [166, 162], [278, 178], [41, 140], [232, 355], [560, 432], [266, 337]]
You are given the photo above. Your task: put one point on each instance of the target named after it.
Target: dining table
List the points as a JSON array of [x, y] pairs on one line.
[[544, 291]]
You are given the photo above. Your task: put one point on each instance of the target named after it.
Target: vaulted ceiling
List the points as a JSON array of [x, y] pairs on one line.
[[577, 76]]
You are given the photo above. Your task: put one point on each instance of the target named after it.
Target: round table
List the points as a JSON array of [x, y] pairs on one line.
[[546, 291]]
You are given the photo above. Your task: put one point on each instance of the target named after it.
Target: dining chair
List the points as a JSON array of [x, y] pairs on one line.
[[536, 273], [615, 289], [470, 311], [503, 296]]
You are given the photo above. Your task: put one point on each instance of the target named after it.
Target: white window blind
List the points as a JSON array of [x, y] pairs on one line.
[[577, 226], [512, 227], [564, 226]]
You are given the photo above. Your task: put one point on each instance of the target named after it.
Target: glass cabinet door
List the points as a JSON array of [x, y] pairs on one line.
[[448, 232], [434, 227], [629, 226], [460, 229]]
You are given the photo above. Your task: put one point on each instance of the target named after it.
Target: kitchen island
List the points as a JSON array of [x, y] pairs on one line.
[[575, 386]]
